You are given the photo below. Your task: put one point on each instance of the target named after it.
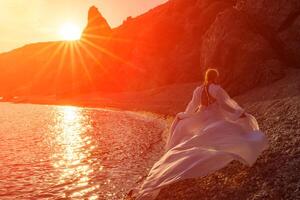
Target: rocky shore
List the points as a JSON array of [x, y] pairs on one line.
[[276, 174]]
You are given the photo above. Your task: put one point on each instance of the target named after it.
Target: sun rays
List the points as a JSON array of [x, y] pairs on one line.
[[80, 59]]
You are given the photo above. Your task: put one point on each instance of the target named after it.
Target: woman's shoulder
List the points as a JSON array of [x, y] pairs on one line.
[[199, 87], [214, 88]]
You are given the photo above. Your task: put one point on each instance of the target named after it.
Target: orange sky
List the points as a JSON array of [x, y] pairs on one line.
[[28, 21]]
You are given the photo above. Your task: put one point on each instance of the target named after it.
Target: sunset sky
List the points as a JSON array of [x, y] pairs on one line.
[[28, 21]]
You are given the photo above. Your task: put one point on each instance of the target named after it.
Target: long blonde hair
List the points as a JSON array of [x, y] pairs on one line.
[[211, 74]]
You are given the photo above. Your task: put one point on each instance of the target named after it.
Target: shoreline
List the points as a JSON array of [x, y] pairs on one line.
[[275, 106], [164, 101]]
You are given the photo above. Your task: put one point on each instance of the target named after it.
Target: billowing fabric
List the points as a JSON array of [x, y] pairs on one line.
[[203, 140]]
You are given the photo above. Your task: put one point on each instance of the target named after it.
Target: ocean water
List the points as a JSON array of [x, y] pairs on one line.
[[64, 152]]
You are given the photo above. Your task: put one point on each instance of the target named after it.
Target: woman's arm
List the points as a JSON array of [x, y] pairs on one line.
[[192, 105], [228, 104]]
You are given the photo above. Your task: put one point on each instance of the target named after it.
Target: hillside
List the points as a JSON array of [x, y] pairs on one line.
[[250, 42]]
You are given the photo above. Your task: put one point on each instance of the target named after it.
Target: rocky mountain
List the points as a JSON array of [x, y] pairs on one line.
[[250, 42], [97, 26], [254, 39]]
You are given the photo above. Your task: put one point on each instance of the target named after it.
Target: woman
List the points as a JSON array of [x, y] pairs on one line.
[[209, 134]]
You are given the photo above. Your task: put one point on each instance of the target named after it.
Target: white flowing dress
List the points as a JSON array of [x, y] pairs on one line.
[[203, 140]]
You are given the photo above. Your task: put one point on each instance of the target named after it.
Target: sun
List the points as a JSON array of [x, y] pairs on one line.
[[70, 31]]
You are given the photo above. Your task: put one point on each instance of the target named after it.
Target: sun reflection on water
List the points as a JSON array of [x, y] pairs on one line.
[[65, 152], [73, 154]]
